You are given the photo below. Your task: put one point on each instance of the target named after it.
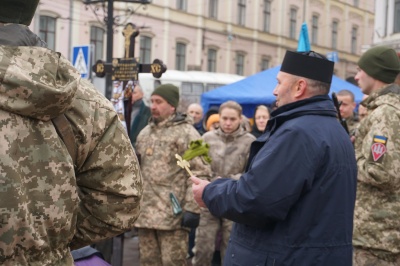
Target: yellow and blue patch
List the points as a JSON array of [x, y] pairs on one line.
[[380, 139]]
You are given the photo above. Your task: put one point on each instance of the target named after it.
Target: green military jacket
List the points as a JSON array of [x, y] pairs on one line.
[[377, 145], [50, 202], [157, 145]]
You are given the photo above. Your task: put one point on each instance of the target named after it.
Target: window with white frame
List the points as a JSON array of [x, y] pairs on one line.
[[354, 31], [314, 31], [212, 60], [335, 26], [213, 9], [267, 15], [241, 12], [145, 49], [180, 62], [264, 64], [47, 31], [292, 23], [181, 4], [396, 24], [239, 63], [97, 40]]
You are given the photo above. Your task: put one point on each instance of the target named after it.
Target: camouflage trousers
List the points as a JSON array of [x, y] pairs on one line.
[[363, 257], [206, 233], [159, 247]]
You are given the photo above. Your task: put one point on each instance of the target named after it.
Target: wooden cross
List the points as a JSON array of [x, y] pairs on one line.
[[183, 164], [128, 68]]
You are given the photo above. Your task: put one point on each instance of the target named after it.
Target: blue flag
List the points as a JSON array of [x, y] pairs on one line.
[[304, 42]]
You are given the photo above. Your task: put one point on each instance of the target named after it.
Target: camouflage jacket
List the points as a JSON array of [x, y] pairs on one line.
[[47, 204], [376, 220], [229, 152], [157, 145], [352, 124]]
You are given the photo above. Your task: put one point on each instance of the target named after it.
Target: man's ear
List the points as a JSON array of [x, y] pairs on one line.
[[301, 88], [173, 109]]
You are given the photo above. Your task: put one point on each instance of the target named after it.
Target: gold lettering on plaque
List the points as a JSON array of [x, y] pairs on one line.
[[99, 68], [155, 68]]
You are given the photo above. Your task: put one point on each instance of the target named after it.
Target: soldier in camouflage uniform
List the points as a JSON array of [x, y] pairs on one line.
[[376, 236], [163, 234], [347, 106], [53, 200], [229, 149]]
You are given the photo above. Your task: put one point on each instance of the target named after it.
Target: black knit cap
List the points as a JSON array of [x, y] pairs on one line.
[[168, 92], [310, 65], [18, 11], [381, 63]]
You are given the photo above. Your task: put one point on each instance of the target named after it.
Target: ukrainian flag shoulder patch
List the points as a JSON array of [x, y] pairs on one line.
[[378, 148], [380, 139]]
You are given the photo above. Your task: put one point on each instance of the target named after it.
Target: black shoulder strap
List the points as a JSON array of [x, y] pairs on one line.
[[64, 130]]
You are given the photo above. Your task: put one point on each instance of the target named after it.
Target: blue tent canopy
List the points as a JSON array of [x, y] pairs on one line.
[[257, 89]]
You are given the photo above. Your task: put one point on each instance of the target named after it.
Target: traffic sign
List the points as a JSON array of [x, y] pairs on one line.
[[81, 59]]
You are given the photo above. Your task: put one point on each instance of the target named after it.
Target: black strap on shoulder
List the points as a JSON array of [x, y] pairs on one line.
[[64, 130]]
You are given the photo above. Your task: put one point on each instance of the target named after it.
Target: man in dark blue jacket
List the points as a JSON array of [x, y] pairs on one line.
[[294, 205]]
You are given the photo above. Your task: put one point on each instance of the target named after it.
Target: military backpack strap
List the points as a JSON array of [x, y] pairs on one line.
[[64, 130]]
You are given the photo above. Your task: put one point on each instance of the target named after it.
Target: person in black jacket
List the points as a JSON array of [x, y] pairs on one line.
[[261, 117], [140, 113], [294, 204], [196, 112]]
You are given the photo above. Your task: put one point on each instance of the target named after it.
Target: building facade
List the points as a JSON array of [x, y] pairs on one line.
[[229, 36], [387, 24]]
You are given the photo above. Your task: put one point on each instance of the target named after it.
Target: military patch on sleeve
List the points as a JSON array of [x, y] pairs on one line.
[[378, 148]]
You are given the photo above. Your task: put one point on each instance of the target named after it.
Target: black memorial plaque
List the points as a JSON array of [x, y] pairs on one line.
[[125, 69]]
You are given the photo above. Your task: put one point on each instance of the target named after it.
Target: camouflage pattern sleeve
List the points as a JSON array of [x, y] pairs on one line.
[[378, 148], [108, 175]]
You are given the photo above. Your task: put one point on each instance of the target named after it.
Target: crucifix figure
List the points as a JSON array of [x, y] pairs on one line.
[[130, 33]]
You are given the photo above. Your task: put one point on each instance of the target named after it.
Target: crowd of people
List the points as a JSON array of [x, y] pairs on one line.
[[288, 186]]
